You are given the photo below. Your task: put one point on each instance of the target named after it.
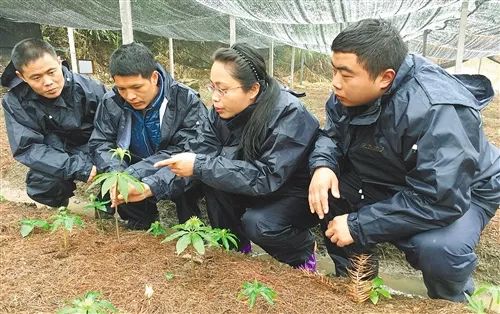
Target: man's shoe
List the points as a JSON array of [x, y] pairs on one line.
[[246, 248], [310, 264]]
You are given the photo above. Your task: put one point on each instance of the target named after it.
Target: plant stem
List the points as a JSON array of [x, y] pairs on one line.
[[65, 239]]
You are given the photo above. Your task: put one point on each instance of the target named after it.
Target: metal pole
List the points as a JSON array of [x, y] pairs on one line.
[[171, 56], [232, 30], [302, 60], [292, 67], [72, 50], [126, 19], [424, 43], [271, 59], [461, 36]]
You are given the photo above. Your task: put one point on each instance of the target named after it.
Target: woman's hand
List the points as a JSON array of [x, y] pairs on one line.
[[181, 164]]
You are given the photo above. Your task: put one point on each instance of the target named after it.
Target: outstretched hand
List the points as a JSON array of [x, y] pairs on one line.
[[134, 195], [181, 164], [323, 179]]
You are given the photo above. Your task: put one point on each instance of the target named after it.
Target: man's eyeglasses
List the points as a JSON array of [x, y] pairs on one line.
[[220, 92]]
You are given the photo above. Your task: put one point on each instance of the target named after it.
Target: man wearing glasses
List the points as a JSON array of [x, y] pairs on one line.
[[151, 115]]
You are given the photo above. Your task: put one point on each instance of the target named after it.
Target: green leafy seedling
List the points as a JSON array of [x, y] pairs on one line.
[[378, 290], [169, 275], [66, 221], [156, 229], [28, 225], [192, 232], [90, 303], [477, 305], [225, 238], [2, 198], [117, 180], [96, 205], [252, 290]]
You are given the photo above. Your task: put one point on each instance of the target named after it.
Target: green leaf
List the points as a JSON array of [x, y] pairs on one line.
[[198, 244], [169, 275], [182, 243], [98, 179], [374, 296], [174, 236], [26, 230], [123, 187], [385, 293], [377, 282], [225, 244], [109, 183]]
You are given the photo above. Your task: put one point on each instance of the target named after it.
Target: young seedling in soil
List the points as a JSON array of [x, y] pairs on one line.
[[156, 229], [65, 220], [169, 275], [477, 305], [378, 290], [119, 181], [96, 205], [90, 303], [225, 238], [28, 225], [252, 290], [192, 232]]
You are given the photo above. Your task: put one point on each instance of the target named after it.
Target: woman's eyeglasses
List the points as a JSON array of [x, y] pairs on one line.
[[219, 91]]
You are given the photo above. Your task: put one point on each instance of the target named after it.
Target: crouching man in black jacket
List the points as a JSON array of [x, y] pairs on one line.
[[49, 113], [405, 158], [152, 116]]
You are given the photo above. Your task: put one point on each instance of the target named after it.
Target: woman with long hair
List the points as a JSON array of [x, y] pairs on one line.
[[251, 157]]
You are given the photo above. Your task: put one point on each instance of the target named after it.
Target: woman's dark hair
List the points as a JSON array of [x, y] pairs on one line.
[[248, 67]]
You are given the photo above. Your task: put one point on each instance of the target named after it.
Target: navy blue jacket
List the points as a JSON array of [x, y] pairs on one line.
[[423, 141], [70, 116], [280, 169], [113, 126]]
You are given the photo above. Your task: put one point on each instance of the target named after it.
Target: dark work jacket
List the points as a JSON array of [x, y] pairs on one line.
[[30, 119], [423, 142], [280, 169], [113, 126]]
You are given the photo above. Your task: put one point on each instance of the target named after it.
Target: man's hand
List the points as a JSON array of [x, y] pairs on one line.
[[134, 195], [181, 164], [338, 231], [92, 175], [323, 179]]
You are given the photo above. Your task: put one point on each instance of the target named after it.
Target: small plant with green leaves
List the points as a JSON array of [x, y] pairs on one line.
[[96, 205], [225, 238], [251, 290], [192, 232], [119, 181], [378, 290], [28, 225], [156, 229], [66, 221], [90, 303], [476, 302], [169, 275]]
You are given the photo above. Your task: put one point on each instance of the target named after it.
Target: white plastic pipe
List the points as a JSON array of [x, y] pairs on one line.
[[126, 19], [72, 49]]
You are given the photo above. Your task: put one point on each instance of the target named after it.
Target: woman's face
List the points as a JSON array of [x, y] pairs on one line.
[[228, 96]]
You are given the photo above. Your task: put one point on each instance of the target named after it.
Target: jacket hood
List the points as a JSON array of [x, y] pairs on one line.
[[441, 87], [9, 78]]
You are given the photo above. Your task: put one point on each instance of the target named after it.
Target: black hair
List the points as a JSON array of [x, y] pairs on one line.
[[132, 59], [248, 67], [28, 50], [377, 44]]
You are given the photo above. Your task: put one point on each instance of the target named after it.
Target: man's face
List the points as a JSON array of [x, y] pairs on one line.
[[352, 84], [44, 75], [138, 91]]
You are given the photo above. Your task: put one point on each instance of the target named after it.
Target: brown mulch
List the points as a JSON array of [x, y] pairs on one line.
[[36, 277]]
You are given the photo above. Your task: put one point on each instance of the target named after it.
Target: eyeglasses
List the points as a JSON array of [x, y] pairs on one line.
[[220, 92]]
